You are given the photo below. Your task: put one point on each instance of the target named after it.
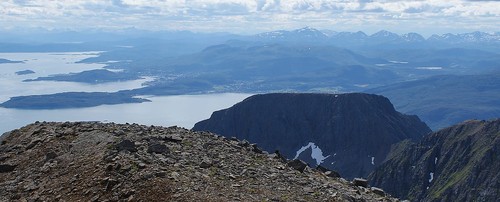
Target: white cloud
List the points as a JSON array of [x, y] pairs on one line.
[[251, 15]]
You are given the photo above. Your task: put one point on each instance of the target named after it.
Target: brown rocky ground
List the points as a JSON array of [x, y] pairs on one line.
[[92, 161]]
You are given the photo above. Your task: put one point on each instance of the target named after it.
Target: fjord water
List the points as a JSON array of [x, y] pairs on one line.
[[179, 110], [45, 64], [182, 110]]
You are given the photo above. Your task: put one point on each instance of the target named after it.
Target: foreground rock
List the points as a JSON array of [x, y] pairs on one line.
[[89, 161], [349, 133], [459, 163]]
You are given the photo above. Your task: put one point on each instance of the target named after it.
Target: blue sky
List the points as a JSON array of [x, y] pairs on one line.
[[253, 16]]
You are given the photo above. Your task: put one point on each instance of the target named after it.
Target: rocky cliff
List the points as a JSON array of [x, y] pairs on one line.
[[350, 133], [459, 163], [90, 161]]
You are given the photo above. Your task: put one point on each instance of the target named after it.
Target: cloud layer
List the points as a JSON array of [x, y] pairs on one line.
[[251, 16]]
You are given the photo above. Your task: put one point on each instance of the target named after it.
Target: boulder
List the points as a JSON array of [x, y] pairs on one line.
[[332, 173], [126, 145], [328, 172], [5, 168], [297, 165], [49, 156], [378, 191], [173, 138], [157, 148], [206, 163], [360, 182]]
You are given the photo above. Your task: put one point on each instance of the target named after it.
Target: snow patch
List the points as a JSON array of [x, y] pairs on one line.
[[432, 177], [316, 153]]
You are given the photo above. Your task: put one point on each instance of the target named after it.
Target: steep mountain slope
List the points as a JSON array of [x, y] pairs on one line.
[[90, 161], [350, 133], [442, 101], [459, 163]]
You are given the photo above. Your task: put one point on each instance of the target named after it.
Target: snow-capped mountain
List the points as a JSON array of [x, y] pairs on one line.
[[413, 37], [306, 33], [466, 37], [383, 36]]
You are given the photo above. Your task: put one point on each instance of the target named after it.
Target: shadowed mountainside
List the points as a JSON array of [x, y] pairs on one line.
[[350, 133], [459, 163]]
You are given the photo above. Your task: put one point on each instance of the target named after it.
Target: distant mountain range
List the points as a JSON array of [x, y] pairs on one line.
[[46, 41], [383, 36], [302, 60], [349, 133]]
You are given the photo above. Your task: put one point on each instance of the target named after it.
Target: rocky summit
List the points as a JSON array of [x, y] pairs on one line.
[[350, 133], [459, 163], [92, 161]]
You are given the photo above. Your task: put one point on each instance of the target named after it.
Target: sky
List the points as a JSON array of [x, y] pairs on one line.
[[253, 16]]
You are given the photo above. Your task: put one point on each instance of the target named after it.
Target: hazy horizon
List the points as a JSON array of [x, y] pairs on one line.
[[250, 17]]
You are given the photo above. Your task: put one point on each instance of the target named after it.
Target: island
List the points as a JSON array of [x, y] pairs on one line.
[[24, 72], [96, 76], [9, 61], [70, 100]]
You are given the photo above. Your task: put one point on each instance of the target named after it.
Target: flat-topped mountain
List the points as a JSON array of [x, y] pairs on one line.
[[350, 133], [459, 163], [91, 161]]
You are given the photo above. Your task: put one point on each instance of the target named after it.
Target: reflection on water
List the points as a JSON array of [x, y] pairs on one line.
[[181, 110]]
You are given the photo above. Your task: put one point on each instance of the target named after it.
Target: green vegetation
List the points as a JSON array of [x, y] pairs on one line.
[[454, 179]]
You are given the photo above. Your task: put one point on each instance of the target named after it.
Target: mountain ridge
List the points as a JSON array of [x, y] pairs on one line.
[[458, 163], [314, 34]]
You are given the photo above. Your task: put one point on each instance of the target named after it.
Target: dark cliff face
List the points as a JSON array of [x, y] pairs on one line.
[[459, 163], [350, 133]]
